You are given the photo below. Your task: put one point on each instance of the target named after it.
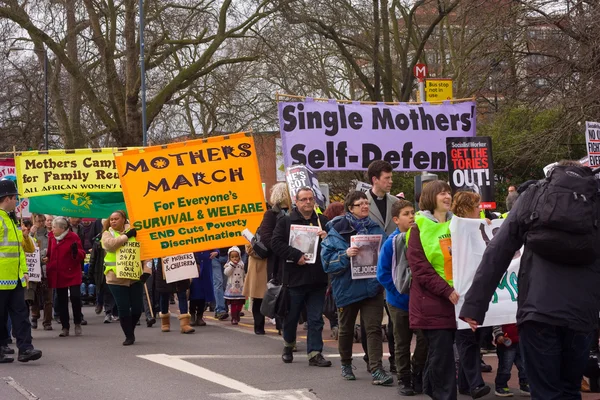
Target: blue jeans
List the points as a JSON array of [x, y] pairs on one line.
[[88, 290], [555, 358], [181, 297], [314, 299], [218, 284], [507, 356]]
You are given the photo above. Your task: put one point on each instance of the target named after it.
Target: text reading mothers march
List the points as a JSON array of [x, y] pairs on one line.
[[192, 196]]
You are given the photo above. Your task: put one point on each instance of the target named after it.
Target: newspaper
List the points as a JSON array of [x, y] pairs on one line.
[[305, 239], [364, 264]]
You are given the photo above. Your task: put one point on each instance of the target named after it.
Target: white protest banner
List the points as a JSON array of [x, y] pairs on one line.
[[592, 142], [332, 136], [34, 265], [470, 238], [180, 267], [129, 263]]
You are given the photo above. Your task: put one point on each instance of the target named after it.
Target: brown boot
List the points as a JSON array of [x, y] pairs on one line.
[[184, 322], [165, 322]]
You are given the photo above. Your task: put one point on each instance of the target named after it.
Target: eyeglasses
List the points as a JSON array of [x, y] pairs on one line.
[[306, 200], [361, 203]]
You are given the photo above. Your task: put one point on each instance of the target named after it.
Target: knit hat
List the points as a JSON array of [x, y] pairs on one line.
[[234, 248]]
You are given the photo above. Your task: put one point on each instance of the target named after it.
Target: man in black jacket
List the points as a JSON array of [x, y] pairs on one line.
[[557, 308], [306, 283]]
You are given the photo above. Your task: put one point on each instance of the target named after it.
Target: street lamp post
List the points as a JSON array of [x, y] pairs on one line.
[[46, 122], [143, 75]]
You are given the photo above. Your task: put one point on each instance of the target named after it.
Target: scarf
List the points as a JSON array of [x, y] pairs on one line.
[[61, 236], [360, 225]]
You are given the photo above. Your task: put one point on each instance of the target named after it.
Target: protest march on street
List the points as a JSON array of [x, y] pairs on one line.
[[474, 295]]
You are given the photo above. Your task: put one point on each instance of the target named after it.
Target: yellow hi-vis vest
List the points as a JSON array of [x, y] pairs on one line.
[[437, 245], [110, 257], [12, 257]]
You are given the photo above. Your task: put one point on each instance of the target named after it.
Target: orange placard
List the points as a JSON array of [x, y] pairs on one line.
[[192, 196]]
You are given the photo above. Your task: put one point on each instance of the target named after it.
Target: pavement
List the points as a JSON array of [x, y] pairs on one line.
[[218, 361]]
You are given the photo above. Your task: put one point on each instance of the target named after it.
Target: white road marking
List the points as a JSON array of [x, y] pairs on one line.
[[15, 385], [247, 392]]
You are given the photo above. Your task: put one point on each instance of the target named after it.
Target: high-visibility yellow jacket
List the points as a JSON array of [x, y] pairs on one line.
[[12, 256]]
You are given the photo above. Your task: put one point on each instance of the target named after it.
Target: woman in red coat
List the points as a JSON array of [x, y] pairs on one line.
[[63, 270]]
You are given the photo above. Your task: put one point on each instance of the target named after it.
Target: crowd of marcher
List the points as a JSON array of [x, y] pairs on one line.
[[549, 344]]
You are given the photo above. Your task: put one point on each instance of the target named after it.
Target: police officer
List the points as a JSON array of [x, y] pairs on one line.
[[13, 280]]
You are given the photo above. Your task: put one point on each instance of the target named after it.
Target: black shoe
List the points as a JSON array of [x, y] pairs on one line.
[[128, 328], [7, 350], [393, 369], [34, 323], [259, 331], [485, 367], [406, 388], [4, 359], [480, 391], [287, 355], [150, 322], [83, 322], [417, 381], [29, 355], [319, 361]]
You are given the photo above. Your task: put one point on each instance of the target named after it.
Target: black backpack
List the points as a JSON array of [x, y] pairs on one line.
[[561, 214]]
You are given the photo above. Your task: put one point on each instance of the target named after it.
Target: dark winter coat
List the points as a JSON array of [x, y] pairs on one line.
[[62, 269], [163, 287], [201, 288], [293, 274], [275, 263], [550, 293], [96, 269], [429, 305]]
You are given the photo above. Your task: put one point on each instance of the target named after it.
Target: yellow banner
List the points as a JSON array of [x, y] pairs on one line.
[[41, 173], [192, 196], [129, 261]]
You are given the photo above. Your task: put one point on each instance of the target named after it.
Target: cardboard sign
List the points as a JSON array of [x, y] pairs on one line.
[[9, 171], [180, 267], [592, 142], [34, 265], [471, 166], [192, 196], [364, 264], [129, 262], [298, 177]]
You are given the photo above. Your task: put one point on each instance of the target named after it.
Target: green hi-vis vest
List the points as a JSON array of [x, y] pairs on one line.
[[12, 256], [110, 258], [482, 214], [505, 215], [437, 245]]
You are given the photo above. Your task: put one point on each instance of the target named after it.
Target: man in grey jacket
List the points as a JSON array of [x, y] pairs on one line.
[[557, 307], [380, 177]]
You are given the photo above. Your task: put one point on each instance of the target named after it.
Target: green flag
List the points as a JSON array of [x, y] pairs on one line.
[[84, 205]]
